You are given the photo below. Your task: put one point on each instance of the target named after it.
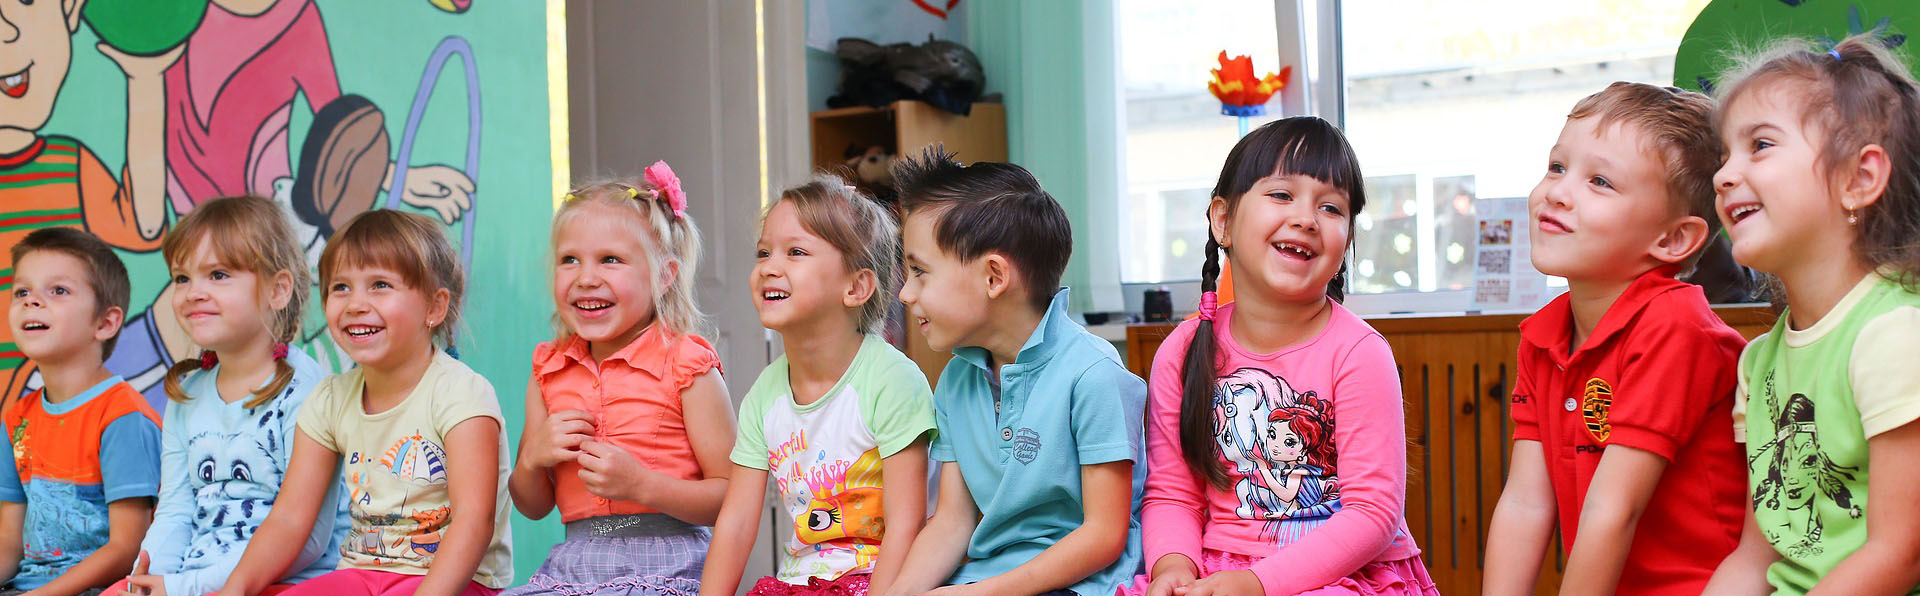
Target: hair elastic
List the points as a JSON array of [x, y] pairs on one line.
[[1209, 302], [1835, 52]]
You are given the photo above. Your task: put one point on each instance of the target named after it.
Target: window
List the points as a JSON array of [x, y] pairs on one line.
[[1175, 138], [1447, 106]]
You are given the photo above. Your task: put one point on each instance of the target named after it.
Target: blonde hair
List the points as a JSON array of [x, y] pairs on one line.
[[669, 239], [248, 234], [866, 234], [410, 245]]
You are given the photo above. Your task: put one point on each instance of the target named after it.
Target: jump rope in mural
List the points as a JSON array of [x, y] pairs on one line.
[[211, 92]]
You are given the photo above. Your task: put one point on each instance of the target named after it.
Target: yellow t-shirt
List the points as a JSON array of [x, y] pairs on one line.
[[395, 464]]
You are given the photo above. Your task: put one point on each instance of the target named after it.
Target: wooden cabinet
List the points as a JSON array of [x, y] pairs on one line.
[[909, 127], [1454, 376]]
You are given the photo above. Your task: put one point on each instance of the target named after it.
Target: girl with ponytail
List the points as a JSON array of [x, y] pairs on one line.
[[240, 287], [1276, 443]]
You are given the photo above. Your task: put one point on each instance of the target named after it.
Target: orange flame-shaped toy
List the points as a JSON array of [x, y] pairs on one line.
[[1236, 87]]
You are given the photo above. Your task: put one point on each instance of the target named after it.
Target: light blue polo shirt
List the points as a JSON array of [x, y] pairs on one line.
[[1068, 401]]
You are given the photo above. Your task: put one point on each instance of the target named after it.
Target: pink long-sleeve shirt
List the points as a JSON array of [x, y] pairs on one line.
[[1313, 440]]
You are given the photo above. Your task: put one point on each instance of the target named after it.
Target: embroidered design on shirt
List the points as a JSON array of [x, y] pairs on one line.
[[1798, 472], [1280, 444], [1594, 407], [1026, 445]]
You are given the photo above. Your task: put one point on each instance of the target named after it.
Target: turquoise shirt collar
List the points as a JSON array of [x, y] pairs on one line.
[[78, 400], [1038, 347]]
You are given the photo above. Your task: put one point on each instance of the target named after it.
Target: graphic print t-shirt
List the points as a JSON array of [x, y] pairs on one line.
[[395, 464], [824, 457]]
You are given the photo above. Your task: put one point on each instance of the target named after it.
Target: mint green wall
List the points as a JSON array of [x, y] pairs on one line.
[[1056, 64], [381, 50]]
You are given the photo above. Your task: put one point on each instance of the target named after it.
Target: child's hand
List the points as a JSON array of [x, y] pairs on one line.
[[143, 583], [612, 473], [1171, 572], [563, 434], [1225, 583]]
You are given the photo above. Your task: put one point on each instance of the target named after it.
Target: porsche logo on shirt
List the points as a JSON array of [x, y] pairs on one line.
[[1594, 406]]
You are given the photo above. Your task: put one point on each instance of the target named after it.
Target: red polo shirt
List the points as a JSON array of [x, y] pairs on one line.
[[1658, 375]]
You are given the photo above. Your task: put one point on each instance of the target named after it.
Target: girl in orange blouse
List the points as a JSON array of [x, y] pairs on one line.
[[628, 421]]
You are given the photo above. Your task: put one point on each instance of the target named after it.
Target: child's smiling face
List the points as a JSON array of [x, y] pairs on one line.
[[604, 278], [36, 47], [800, 279], [1602, 207], [1771, 192], [946, 297], [1286, 237]]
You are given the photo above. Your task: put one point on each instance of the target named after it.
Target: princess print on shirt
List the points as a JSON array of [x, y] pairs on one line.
[[1280, 444]]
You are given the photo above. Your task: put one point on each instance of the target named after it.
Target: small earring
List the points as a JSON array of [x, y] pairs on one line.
[[1852, 218]]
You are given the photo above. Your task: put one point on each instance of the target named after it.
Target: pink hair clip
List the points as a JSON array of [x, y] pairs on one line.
[[661, 177], [1209, 302]]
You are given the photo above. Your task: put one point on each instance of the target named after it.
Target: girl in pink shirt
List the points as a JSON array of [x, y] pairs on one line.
[[628, 421], [1276, 445]]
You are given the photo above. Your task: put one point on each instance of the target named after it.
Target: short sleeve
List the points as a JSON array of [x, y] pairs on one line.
[[459, 395], [130, 458], [1109, 411], [1678, 372], [321, 413], [692, 357], [1886, 389], [1520, 402], [10, 489], [899, 409], [750, 444]]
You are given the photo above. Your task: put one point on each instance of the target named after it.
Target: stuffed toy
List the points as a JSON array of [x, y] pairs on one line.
[[942, 73]]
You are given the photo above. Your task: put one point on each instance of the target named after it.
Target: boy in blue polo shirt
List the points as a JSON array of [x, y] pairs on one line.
[[1040, 443]]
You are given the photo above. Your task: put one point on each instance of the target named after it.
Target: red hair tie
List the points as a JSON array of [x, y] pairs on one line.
[[208, 359], [280, 351]]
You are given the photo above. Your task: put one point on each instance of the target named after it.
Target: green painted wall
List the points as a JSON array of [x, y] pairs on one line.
[[382, 51]]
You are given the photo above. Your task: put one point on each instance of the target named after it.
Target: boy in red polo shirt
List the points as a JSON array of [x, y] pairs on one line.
[[1626, 381]]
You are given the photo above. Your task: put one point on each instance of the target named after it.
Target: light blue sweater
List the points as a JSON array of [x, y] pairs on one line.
[[221, 465]]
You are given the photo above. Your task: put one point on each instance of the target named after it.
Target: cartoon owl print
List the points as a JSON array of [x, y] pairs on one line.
[[235, 477]]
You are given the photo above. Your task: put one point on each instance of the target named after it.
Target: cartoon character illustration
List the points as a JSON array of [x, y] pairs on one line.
[[424, 540], [846, 509], [235, 478], [1242, 400], [1797, 472], [1300, 482], [229, 110], [49, 180]]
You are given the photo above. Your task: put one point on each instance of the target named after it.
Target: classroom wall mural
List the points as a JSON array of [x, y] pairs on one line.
[[122, 115]]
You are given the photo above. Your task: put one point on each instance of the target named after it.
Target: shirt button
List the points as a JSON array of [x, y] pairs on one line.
[[1572, 404], [1006, 434]]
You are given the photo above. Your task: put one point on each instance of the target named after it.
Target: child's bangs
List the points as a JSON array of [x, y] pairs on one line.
[[1295, 147], [378, 243]]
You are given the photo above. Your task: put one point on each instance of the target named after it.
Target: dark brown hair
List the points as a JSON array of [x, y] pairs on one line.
[[1678, 125], [990, 207], [1298, 146], [409, 244], [106, 275], [865, 233], [247, 234], [1856, 94]]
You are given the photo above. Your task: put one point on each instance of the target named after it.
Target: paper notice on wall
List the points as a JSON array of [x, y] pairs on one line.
[[1503, 275]]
